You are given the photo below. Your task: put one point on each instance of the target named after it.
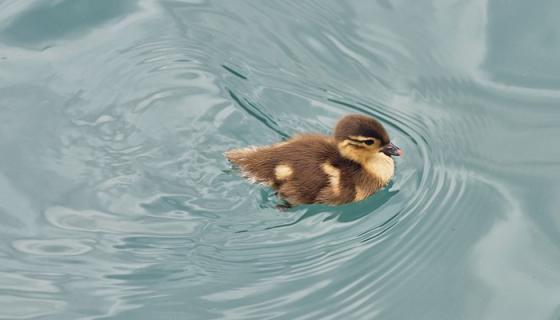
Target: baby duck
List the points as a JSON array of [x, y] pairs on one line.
[[350, 166]]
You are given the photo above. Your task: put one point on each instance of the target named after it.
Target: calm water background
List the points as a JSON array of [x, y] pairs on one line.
[[116, 202]]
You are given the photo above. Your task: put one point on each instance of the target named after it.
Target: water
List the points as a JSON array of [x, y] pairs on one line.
[[116, 201]]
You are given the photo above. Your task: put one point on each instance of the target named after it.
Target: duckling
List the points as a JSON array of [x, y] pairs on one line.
[[348, 166]]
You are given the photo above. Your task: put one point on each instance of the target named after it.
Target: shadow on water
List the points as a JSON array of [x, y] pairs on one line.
[[345, 213], [41, 25]]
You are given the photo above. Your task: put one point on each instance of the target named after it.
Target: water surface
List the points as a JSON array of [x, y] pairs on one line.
[[116, 201]]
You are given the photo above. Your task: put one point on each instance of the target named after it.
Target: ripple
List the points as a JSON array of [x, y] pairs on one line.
[[403, 237], [53, 247], [27, 308], [96, 221], [25, 283]]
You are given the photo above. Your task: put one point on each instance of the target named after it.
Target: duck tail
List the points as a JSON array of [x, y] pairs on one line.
[[240, 157], [252, 164]]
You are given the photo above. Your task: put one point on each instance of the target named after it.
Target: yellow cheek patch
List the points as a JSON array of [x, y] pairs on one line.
[[360, 155], [381, 167], [334, 177], [283, 172]]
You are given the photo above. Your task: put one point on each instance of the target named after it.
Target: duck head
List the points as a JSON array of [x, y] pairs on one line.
[[360, 138]]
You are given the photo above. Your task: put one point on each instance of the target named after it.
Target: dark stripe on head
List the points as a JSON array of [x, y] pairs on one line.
[[359, 125]]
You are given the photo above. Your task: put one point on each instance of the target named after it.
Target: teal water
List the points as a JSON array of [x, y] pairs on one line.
[[116, 201]]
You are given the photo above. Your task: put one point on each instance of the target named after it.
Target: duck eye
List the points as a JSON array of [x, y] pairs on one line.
[[369, 142]]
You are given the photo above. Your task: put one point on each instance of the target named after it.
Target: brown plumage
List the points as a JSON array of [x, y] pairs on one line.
[[349, 166]]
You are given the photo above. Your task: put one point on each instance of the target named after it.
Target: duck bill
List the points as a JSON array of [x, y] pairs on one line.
[[392, 150]]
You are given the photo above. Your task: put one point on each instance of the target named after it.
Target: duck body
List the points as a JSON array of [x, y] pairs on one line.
[[317, 169]]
